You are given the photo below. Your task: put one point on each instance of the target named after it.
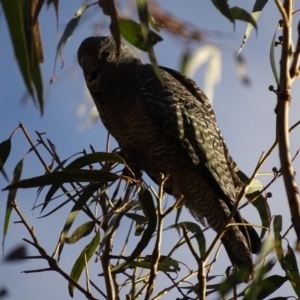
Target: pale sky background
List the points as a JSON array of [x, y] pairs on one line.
[[245, 115]]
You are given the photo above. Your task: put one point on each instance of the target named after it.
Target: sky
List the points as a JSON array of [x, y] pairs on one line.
[[245, 115]]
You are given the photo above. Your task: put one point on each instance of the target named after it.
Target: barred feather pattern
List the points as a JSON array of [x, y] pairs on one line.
[[169, 129]]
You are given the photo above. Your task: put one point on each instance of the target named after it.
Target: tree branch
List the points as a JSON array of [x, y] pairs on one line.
[[282, 111]]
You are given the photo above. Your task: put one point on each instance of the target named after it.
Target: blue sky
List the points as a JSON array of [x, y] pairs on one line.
[[245, 115]]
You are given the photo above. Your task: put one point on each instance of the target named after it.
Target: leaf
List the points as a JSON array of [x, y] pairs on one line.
[[148, 206], [143, 15], [272, 57], [184, 62], [131, 31], [56, 8], [256, 286], [260, 203], [5, 148], [81, 162], [238, 13], [139, 219], [237, 277], [15, 16], [80, 232], [194, 228], [165, 264], [84, 197], [277, 227], [64, 176], [269, 285], [79, 265], [71, 26], [223, 7], [11, 197], [242, 70], [257, 9], [96, 157], [292, 271], [211, 56], [19, 252]]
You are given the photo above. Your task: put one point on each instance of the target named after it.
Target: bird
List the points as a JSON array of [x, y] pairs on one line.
[[169, 128]]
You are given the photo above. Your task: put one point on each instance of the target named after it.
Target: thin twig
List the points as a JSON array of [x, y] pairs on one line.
[[201, 267], [156, 250], [51, 261]]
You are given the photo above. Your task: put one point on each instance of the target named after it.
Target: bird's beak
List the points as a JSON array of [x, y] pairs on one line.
[[91, 70], [89, 63]]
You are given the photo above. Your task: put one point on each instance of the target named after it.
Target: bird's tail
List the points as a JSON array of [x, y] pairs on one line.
[[240, 242]]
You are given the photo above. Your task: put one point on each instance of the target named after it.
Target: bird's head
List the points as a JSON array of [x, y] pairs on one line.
[[97, 57]]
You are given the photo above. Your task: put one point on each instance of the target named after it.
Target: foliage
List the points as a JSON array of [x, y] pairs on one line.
[[96, 186]]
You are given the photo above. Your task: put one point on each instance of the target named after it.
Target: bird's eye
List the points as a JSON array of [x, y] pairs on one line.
[[106, 54]]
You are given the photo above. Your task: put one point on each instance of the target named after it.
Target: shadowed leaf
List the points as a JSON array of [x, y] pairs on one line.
[[5, 148], [71, 26], [16, 254], [131, 31], [80, 232], [64, 176], [11, 197], [292, 271], [143, 15], [147, 204], [194, 228], [16, 14], [269, 285], [79, 265]]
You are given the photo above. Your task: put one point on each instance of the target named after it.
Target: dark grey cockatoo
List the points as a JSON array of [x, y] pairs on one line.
[[169, 129]]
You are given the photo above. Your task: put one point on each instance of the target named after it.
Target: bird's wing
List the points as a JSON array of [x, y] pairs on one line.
[[184, 113]]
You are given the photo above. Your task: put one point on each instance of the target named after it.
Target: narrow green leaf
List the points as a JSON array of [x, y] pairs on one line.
[[292, 271], [139, 219], [194, 228], [238, 13], [131, 31], [80, 232], [184, 62], [165, 264], [79, 265], [224, 9], [37, 81], [260, 203], [277, 227], [272, 57], [13, 13], [5, 148], [67, 175], [11, 196], [143, 15], [269, 285], [148, 206], [235, 278], [257, 9], [152, 22], [84, 197], [255, 287], [92, 158], [71, 26]]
